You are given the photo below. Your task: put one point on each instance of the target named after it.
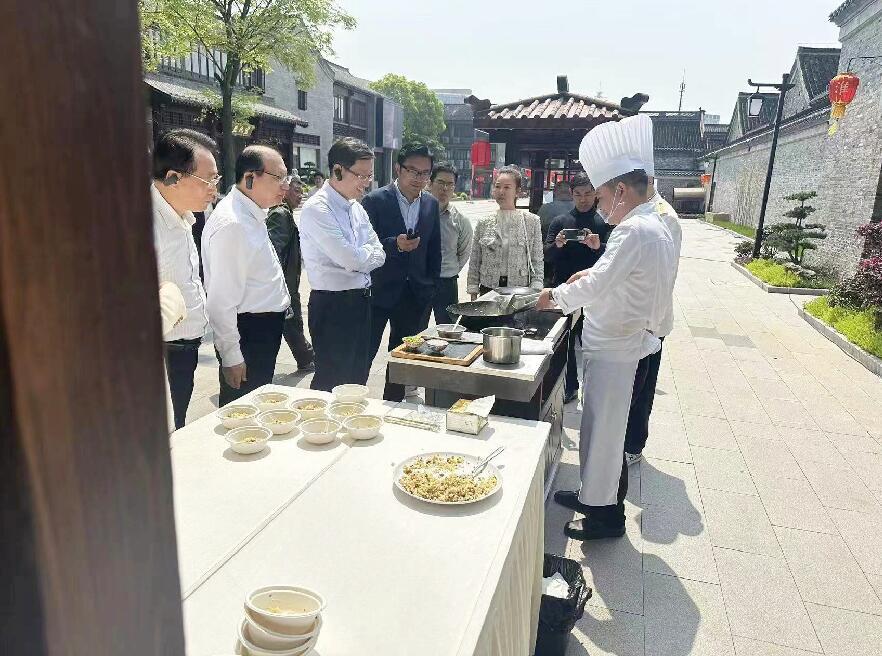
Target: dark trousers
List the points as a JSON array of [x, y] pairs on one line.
[[641, 403], [446, 295], [405, 318], [615, 514], [340, 327], [181, 357], [292, 330], [571, 385], [260, 336]]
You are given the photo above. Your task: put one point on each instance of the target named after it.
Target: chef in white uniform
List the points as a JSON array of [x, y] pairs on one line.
[[624, 297], [639, 130]]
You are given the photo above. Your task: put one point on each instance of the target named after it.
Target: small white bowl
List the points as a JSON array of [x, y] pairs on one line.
[[363, 427], [280, 422], [285, 609], [264, 638], [436, 345], [342, 411], [320, 431], [350, 393], [271, 400], [255, 650], [307, 413], [249, 415], [248, 439]]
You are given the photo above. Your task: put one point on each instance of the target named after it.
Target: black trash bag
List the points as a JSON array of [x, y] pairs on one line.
[[558, 616]]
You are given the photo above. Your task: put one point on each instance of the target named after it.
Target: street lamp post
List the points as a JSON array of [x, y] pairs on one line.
[[754, 107]]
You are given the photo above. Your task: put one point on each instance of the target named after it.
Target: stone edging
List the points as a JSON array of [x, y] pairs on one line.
[[855, 352], [802, 291]]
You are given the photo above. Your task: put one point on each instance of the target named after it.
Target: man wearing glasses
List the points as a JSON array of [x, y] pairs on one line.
[[247, 295], [184, 181], [340, 250], [456, 240], [406, 219]]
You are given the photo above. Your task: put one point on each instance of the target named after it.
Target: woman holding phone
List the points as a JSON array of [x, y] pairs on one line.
[[507, 247]]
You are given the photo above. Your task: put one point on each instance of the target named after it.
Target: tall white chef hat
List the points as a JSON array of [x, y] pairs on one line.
[[615, 148]]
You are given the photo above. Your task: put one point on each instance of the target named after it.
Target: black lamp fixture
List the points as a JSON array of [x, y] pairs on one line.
[[755, 104]]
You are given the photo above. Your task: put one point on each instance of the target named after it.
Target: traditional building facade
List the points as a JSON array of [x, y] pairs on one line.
[[845, 168]]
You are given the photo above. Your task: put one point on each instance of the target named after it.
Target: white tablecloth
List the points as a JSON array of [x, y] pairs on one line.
[[399, 576]]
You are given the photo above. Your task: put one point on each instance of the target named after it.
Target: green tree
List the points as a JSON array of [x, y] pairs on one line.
[[423, 112], [795, 238], [240, 36]]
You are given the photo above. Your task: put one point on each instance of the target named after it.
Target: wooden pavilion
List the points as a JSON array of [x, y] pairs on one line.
[[543, 133]]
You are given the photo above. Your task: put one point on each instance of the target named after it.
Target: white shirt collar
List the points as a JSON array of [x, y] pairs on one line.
[[167, 212], [256, 212], [403, 197], [642, 208]]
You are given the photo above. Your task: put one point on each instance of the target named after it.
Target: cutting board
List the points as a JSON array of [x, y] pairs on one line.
[[455, 353]]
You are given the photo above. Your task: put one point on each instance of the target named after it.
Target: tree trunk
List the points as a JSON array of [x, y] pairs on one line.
[[229, 139]]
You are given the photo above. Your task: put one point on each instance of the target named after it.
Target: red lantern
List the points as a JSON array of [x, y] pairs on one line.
[[842, 90], [705, 179]]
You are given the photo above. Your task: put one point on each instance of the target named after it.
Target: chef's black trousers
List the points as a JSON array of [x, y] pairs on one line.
[[641, 404]]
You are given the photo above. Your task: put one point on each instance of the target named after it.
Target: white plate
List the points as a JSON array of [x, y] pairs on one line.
[[468, 464]]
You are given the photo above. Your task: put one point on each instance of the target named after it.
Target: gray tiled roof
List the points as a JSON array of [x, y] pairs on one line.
[[818, 66], [555, 106], [846, 10], [676, 131], [194, 97], [458, 113], [343, 76]]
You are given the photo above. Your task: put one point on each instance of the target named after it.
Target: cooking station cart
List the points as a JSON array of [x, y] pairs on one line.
[[532, 389]]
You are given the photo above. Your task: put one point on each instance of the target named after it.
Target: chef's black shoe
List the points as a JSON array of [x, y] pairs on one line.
[[570, 499], [569, 397], [588, 529]]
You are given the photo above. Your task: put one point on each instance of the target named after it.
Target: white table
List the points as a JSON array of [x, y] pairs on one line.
[[399, 576]]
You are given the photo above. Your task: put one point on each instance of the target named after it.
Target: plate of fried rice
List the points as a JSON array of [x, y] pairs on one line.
[[443, 478]]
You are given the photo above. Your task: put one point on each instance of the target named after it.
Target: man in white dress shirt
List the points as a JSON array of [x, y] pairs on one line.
[[340, 249], [184, 181], [247, 294], [624, 299]]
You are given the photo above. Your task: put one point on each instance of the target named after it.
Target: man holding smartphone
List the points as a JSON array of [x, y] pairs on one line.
[[575, 241], [406, 220]]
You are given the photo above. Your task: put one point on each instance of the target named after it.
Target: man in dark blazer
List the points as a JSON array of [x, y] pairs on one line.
[[406, 220]]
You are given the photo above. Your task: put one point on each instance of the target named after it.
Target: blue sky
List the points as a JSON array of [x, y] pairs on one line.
[[504, 51]]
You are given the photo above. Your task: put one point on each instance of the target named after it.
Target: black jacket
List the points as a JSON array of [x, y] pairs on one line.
[[574, 256], [420, 269], [285, 237]]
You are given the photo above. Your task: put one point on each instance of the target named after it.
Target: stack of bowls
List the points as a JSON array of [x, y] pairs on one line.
[[281, 620]]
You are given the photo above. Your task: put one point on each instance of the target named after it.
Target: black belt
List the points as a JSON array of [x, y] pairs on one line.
[[449, 277], [185, 342], [261, 314], [364, 291]]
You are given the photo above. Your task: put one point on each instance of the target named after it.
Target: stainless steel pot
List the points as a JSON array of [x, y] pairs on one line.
[[502, 345]]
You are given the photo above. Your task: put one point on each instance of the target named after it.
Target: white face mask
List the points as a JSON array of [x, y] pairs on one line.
[[608, 217]]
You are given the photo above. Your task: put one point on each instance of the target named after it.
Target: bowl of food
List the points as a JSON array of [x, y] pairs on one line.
[[320, 431], [271, 400], [309, 408], [235, 416], [436, 345], [342, 411], [363, 427], [280, 422], [285, 609], [248, 439], [413, 343], [450, 330], [350, 393], [246, 637], [252, 631]]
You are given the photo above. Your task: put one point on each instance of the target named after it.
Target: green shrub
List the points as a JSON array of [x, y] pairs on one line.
[[744, 248], [856, 325], [773, 274]]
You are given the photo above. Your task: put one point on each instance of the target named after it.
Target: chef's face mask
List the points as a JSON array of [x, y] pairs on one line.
[[608, 216]]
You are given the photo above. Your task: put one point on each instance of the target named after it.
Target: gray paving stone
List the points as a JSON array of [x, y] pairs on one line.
[[826, 572], [762, 600], [846, 632]]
